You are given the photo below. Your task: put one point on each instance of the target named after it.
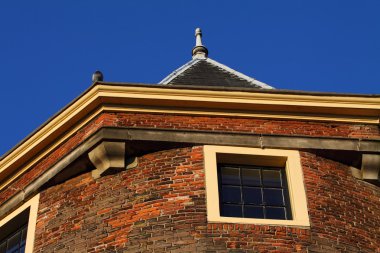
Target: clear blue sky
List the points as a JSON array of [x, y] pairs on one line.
[[49, 49]]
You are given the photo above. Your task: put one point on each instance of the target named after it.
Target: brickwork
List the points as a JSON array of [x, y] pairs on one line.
[[248, 125], [344, 211], [160, 206], [224, 124]]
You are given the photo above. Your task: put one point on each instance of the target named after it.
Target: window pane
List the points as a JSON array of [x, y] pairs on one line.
[[23, 239], [22, 249], [230, 175], [254, 212], [231, 194], [3, 247], [251, 177], [13, 242], [231, 210], [252, 196], [272, 178], [273, 197], [275, 213], [24, 232]]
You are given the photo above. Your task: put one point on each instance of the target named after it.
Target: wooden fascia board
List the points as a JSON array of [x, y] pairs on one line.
[[354, 107], [351, 109]]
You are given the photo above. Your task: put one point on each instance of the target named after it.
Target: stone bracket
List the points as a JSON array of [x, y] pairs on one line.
[[370, 167], [106, 157]]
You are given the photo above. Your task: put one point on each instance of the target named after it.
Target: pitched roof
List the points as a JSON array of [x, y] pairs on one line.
[[207, 72], [203, 71]]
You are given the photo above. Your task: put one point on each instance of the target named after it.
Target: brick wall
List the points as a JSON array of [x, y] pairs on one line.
[[224, 124], [344, 211], [160, 206]]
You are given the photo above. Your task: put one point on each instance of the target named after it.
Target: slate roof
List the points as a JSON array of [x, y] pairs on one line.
[[208, 72]]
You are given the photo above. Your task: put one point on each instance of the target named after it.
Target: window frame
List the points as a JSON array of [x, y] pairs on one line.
[[289, 159], [32, 205]]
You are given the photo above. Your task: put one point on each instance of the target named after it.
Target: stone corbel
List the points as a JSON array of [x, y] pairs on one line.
[[108, 157], [370, 167], [370, 170]]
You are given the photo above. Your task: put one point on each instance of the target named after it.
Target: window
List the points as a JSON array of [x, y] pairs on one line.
[[17, 229], [13, 234], [256, 186], [253, 192]]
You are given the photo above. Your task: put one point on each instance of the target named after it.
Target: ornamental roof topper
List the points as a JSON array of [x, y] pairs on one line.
[[199, 51]]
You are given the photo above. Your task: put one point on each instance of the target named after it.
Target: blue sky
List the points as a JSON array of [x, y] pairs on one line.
[[49, 49]]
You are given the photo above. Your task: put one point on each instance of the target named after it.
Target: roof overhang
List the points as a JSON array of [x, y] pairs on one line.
[[121, 97]]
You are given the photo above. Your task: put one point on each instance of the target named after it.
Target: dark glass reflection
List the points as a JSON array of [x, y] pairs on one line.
[[251, 177], [230, 175], [273, 197], [272, 178], [252, 195], [254, 212], [229, 210], [275, 213], [3, 247], [231, 194], [15, 242]]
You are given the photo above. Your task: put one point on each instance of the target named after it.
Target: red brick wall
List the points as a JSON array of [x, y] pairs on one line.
[[249, 125], [161, 205], [344, 211]]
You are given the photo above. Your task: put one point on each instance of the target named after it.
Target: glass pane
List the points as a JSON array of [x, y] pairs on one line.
[[275, 213], [273, 197], [13, 242], [22, 248], [230, 175], [23, 239], [252, 196], [3, 247], [272, 178], [24, 231], [231, 194], [253, 212], [251, 177], [231, 210]]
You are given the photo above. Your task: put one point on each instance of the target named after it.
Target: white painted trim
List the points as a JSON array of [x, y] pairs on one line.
[[32, 221], [296, 188]]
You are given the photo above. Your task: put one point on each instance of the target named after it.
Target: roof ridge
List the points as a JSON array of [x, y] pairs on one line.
[[239, 74]]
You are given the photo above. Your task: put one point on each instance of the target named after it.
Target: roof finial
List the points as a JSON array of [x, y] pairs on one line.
[[97, 76], [199, 51]]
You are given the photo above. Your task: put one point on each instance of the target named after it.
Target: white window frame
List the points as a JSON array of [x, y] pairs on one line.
[[289, 159], [32, 204]]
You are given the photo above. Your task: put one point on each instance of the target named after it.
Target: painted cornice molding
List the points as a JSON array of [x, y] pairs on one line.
[[104, 97]]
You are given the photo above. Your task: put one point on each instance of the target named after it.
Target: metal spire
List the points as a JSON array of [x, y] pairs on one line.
[[199, 51]]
